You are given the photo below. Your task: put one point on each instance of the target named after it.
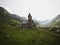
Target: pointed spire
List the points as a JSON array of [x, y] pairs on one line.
[[29, 15]]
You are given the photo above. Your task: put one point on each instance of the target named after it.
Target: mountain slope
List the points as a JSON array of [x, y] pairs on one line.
[[4, 15], [55, 21], [18, 18], [10, 35], [7, 19]]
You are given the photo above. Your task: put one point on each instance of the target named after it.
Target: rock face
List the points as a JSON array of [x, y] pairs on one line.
[[29, 23]]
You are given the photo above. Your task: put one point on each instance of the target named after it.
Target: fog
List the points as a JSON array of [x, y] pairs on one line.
[[39, 9]]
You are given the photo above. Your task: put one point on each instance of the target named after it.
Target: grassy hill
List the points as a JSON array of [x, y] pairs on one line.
[[58, 23], [16, 36], [6, 18], [12, 34]]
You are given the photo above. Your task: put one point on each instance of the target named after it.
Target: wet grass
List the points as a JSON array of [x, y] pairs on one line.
[[17, 36]]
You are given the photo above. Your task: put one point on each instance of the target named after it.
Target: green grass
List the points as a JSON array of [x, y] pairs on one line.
[[58, 23], [14, 21], [18, 36], [55, 23], [12, 34]]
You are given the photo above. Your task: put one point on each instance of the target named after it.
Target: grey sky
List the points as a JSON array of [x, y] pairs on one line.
[[39, 9]]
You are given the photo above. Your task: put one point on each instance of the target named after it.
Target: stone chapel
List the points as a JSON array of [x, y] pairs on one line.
[[29, 23]]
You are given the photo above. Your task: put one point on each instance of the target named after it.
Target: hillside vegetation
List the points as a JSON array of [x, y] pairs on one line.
[[55, 21], [16, 36], [12, 34]]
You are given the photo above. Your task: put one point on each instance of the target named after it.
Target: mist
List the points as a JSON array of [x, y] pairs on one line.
[[39, 9]]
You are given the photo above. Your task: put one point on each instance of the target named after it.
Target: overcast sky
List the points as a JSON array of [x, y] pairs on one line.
[[39, 9]]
